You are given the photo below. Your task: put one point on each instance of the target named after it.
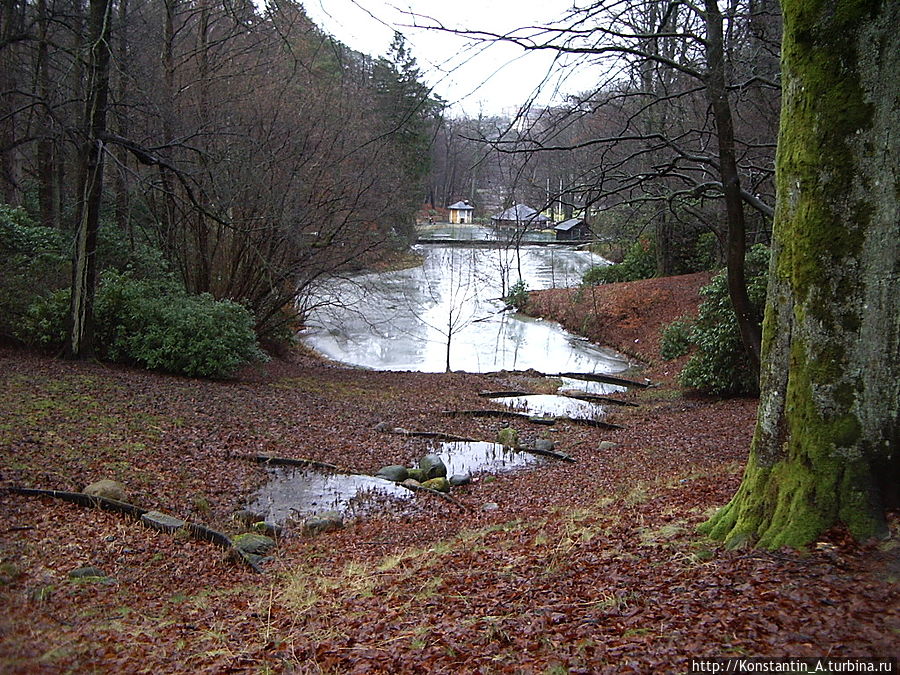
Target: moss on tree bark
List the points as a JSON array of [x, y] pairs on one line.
[[825, 448]]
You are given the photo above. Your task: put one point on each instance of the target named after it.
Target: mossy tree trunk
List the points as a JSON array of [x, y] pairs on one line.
[[825, 448]]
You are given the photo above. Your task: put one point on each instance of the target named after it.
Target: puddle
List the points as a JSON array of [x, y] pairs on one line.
[[551, 404], [302, 492], [590, 387], [298, 493], [478, 456]]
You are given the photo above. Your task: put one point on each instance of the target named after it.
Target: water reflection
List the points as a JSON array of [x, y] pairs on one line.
[[555, 406], [477, 456], [411, 319], [293, 492]]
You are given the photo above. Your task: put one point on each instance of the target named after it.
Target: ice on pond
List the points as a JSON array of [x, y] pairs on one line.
[[451, 307]]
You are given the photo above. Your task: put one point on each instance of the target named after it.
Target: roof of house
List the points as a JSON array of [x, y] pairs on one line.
[[521, 212], [461, 206], [567, 225]]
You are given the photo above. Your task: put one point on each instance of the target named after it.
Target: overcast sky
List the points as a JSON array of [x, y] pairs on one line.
[[491, 78]]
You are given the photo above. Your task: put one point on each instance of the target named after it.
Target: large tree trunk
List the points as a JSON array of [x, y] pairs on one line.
[[825, 450], [84, 265]]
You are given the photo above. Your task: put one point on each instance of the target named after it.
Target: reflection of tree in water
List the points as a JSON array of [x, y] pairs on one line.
[[455, 287], [412, 319]]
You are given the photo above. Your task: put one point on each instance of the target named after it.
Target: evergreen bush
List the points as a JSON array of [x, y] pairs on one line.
[[35, 262], [518, 295], [719, 364], [154, 324], [639, 263], [676, 339]]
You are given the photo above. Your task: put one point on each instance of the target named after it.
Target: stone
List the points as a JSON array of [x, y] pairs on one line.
[[544, 444], [432, 467], [246, 517], [543, 419], [607, 445], [323, 522], [87, 572], [416, 474], [508, 437], [394, 472], [162, 522], [441, 484], [458, 479], [107, 488], [253, 544], [411, 483], [262, 527]]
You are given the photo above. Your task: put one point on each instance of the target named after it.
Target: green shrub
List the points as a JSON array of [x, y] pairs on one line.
[[136, 256], [35, 262], [518, 295], [43, 323], [676, 339], [37, 265], [158, 326], [639, 263], [720, 365], [154, 324]]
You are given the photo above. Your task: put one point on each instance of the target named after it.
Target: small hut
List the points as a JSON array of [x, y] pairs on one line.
[[461, 213], [573, 229], [520, 217]]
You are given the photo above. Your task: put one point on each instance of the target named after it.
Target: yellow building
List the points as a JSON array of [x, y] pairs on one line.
[[461, 213]]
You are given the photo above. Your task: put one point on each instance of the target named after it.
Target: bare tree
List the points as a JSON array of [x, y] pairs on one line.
[[660, 129], [84, 262]]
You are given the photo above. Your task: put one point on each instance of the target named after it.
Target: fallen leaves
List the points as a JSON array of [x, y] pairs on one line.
[[591, 567]]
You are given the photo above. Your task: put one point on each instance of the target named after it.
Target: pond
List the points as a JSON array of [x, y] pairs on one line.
[[450, 312]]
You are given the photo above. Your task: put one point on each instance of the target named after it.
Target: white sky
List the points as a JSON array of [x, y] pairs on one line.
[[493, 78]]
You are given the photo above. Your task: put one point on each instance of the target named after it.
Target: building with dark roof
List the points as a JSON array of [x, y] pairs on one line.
[[520, 217], [573, 229]]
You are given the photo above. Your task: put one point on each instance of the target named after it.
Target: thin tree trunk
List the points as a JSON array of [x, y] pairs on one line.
[[717, 94], [84, 264]]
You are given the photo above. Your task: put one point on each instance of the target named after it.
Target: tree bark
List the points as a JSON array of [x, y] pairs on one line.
[[736, 247], [84, 265], [825, 448]]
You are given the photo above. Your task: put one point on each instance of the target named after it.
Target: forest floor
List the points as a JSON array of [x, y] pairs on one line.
[[586, 567]]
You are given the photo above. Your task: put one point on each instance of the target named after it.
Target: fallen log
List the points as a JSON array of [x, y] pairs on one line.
[[496, 413], [607, 379], [534, 419], [590, 377], [196, 530], [442, 495], [295, 461], [501, 394], [579, 395], [563, 457], [597, 398], [437, 435]]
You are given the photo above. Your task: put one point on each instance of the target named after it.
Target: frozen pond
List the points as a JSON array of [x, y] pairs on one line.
[[451, 310]]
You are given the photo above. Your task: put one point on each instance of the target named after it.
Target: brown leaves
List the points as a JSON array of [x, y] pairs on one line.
[[593, 567]]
